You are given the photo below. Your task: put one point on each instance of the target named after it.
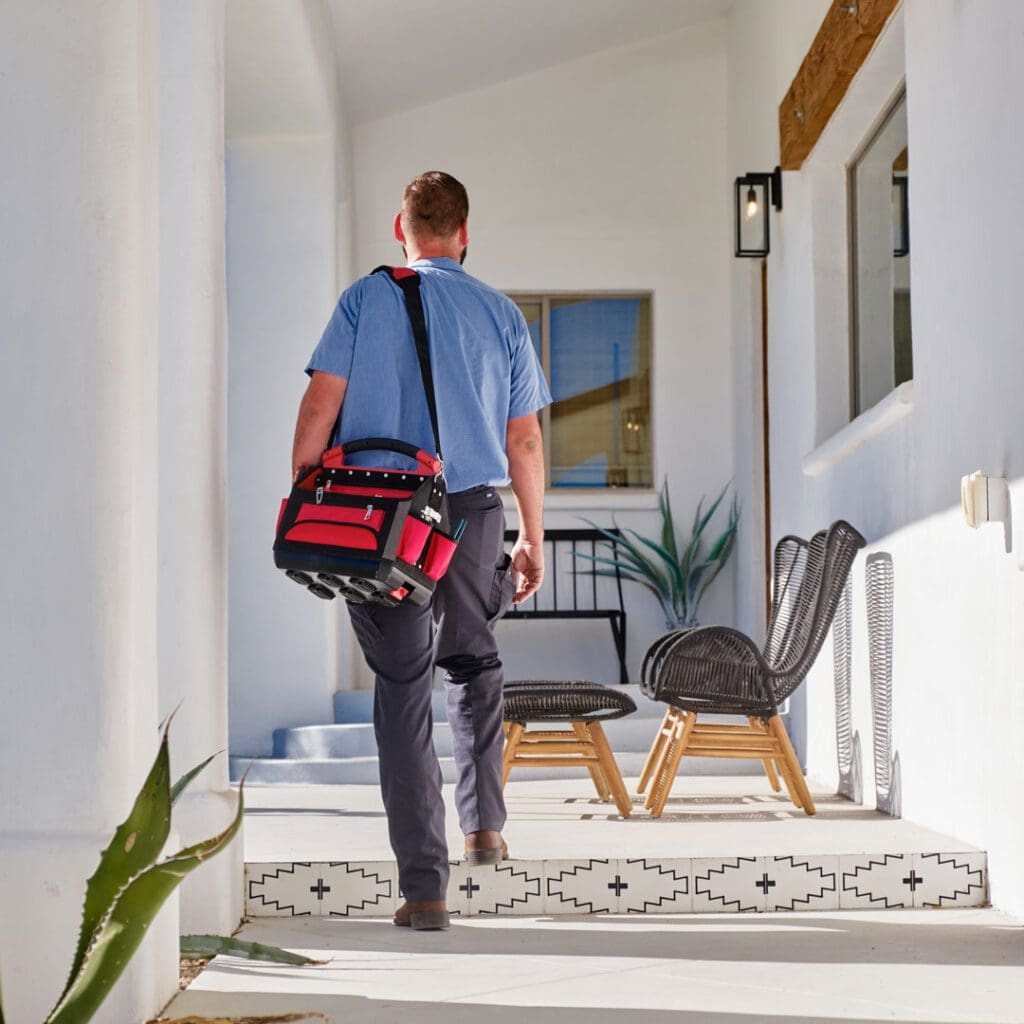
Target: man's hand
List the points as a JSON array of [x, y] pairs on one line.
[[528, 561]]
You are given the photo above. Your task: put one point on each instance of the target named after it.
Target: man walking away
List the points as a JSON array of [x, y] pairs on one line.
[[489, 388]]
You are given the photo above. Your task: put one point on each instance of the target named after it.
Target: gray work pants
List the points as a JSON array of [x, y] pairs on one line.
[[401, 646]]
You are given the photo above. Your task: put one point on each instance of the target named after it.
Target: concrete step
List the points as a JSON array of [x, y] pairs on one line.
[[356, 739], [332, 742], [363, 770], [724, 844]]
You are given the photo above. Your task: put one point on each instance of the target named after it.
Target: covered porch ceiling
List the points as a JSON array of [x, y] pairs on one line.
[[393, 56]]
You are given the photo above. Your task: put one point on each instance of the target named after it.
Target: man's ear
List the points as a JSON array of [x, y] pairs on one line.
[[464, 234], [399, 233]]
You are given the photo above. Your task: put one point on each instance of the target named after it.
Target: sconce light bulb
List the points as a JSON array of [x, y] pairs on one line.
[[751, 203]]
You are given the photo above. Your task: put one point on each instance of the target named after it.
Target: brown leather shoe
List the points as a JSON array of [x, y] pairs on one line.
[[485, 847], [428, 916]]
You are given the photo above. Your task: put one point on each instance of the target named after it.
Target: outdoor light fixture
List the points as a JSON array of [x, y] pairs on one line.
[[754, 191]]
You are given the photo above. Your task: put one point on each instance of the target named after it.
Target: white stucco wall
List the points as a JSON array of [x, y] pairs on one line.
[[193, 551], [602, 173], [957, 709], [79, 118], [766, 43], [288, 182]]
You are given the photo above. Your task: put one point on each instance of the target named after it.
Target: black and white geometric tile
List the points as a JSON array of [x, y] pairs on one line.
[[949, 880], [802, 883], [284, 890], [631, 886], [732, 884], [881, 881], [654, 887], [581, 886], [512, 887], [363, 889]]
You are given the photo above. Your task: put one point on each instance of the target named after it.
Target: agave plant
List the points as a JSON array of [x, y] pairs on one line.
[[129, 887], [679, 580]]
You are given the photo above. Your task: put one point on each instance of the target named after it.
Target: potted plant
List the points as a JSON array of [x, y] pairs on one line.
[[678, 577]]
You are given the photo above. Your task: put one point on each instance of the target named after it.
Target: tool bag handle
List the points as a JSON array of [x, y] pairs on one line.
[[335, 457]]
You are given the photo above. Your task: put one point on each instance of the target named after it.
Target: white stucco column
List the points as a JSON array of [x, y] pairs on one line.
[[192, 600], [79, 124]]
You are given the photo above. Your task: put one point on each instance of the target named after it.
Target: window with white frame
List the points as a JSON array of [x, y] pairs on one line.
[[882, 356], [596, 354]]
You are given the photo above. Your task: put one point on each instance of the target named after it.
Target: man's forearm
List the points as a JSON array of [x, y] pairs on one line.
[[526, 471], [317, 415]]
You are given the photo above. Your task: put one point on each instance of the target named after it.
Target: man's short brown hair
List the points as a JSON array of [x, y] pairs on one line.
[[434, 205]]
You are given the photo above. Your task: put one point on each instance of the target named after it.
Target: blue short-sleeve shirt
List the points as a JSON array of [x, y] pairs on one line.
[[485, 367]]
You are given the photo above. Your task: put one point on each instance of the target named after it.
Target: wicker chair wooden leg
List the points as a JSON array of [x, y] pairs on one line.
[[657, 751], [769, 765], [610, 768], [513, 734], [604, 793], [778, 730], [787, 778], [673, 755]]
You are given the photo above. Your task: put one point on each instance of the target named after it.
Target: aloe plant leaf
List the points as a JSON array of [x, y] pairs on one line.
[[697, 515], [614, 563], [615, 543], [125, 924], [617, 556], [136, 844], [700, 523], [659, 594], [183, 783], [703, 522], [668, 525], [719, 565], [690, 555], [199, 947], [675, 574], [645, 565]]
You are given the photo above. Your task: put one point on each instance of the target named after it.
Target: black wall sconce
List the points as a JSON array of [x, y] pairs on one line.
[[754, 191]]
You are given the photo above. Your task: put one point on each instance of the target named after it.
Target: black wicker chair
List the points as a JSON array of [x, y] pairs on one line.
[[584, 706], [716, 670]]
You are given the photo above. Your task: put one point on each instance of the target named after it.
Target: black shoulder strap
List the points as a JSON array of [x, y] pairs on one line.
[[409, 281]]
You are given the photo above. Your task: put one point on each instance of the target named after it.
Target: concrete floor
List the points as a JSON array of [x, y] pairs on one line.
[[706, 817], [960, 967]]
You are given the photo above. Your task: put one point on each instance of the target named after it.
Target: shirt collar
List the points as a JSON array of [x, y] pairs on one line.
[[439, 262]]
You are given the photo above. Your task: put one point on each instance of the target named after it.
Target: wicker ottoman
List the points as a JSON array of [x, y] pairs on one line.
[[584, 706]]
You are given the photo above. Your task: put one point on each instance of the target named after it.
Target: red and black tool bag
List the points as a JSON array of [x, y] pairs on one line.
[[370, 534]]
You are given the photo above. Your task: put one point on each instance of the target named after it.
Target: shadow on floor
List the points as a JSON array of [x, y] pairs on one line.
[[818, 938], [361, 1010], [331, 812]]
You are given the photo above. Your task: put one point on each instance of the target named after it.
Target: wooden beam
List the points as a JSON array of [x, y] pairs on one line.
[[839, 49]]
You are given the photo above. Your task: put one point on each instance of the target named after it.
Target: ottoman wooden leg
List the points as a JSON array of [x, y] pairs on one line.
[[610, 769], [596, 775], [512, 737]]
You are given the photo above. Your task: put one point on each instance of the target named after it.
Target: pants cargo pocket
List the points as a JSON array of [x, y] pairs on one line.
[[503, 589]]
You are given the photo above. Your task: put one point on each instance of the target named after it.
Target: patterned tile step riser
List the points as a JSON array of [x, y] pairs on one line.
[[534, 888]]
